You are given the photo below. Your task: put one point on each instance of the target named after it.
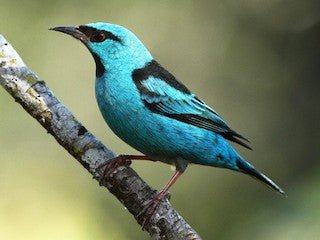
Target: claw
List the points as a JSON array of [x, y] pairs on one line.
[[110, 166], [151, 207]]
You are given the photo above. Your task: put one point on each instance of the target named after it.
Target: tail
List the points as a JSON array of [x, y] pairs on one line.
[[248, 169]]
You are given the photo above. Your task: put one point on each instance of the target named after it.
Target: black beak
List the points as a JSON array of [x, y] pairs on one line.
[[74, 31]]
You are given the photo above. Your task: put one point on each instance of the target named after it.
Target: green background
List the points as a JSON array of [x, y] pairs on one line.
[[255, 62]]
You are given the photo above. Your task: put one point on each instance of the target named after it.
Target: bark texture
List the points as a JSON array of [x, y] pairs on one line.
[[38, 100]]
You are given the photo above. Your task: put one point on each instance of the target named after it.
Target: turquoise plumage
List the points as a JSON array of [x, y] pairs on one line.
[[150, 110]]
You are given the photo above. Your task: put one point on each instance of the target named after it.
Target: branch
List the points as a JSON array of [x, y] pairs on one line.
[[38, 100]]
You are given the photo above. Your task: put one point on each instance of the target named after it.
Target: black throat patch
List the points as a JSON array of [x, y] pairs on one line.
[[100, 69]]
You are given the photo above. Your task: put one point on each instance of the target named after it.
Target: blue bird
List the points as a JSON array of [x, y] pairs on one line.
[[148, 108]]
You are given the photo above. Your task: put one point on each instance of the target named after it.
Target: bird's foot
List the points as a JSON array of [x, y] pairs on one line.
[[150, 207], [111, 165]]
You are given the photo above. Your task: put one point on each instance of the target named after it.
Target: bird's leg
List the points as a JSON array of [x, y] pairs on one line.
[[152, 205], [111, 164]]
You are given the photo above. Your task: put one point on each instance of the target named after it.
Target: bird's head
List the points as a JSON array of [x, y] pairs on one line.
[[112, 46]]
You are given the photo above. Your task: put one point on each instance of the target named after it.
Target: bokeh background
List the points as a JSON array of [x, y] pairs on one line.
[[255, 62]]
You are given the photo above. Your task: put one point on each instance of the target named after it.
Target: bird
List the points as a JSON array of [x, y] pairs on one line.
[[149, 109]]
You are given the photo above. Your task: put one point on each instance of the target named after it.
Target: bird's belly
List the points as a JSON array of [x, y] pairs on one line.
[[165, 139]]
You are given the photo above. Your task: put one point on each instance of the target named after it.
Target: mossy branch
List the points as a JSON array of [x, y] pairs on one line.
[[38, 100]]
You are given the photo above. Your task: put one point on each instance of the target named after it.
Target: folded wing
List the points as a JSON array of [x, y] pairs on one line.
[[163, 94]]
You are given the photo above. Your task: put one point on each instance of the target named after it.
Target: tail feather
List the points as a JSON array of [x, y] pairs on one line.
[[248, 169]]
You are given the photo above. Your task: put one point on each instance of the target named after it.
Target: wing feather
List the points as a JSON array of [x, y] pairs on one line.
[[163, 94]]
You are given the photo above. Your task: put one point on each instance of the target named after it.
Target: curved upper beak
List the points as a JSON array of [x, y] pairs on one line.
[[74, 31]]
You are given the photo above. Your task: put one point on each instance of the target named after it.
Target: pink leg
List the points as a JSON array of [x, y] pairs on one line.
[[172, 180], [112, 164], [151, 207]]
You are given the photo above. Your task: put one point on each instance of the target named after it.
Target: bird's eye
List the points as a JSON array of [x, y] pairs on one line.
[[98, 37]]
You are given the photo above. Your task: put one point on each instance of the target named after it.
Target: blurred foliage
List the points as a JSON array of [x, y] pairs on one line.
[[255, 62]]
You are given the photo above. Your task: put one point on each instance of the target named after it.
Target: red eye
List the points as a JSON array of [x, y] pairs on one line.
[[98, 37]]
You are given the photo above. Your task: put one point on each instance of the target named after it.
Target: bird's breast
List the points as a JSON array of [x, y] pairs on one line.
[[119, 101]]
